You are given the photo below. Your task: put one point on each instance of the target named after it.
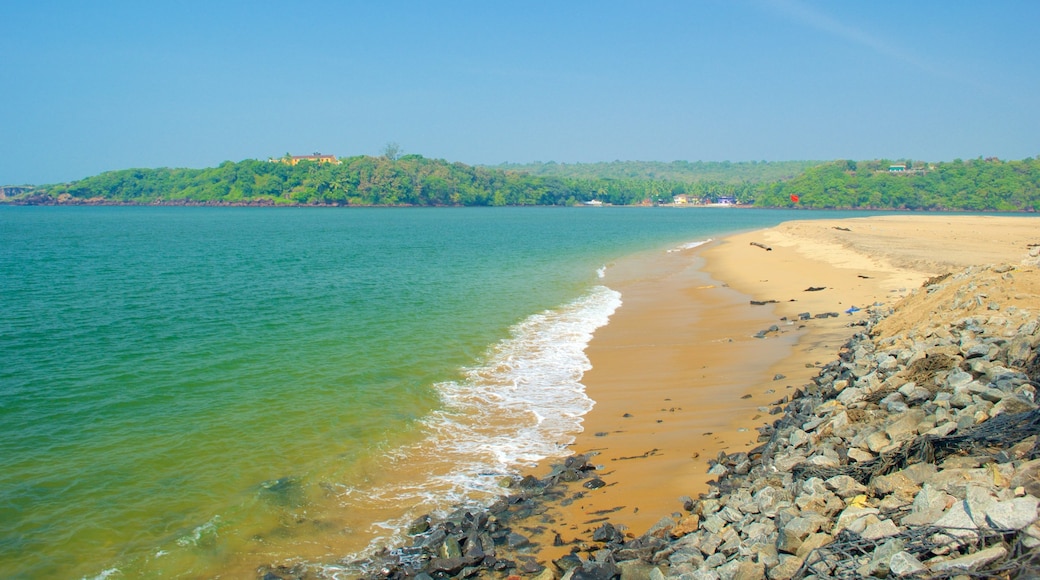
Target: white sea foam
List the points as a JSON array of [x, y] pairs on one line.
[[200, 533], [601, 272], [689, 245], [525, 403], [110, 572]]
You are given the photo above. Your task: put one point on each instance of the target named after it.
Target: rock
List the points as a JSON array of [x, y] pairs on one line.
[[607, 533], [731, 514], [450, 549], [703, 574], [979, 501], [787, 462], [802, 526], [714, 524], [942, 430], [881, 529], [877, 441], [686, 525], [1013, 404], [958, 378], [961, 399], [813, 542], [567, 562], [1019, 351], [515, 540], [904, 564], [1027, 476], [896, 483], [852, 395], [595, 571], [1014, 514], [957, 521], [798, 438], [822, 460], [450, 566], [765, 553], [860, 455], [879, 564], [919, 473], [852, 514], [929, 505], [845, 486], [971, 561], [787, 568], [767, 499], [991, 394], [636, 570], [749, 571], [904, 427], [788, 541]]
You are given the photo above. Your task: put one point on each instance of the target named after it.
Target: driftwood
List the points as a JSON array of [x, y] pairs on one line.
[[763, 246]]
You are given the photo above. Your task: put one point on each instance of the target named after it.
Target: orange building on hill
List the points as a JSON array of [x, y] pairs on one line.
[[317, 158]]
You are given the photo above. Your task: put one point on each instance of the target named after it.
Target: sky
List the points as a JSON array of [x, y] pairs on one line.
[[87, 87]]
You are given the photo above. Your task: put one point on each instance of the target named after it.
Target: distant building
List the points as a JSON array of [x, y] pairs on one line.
[[726, 200], [317, 158], [681, 199], [896, 168]]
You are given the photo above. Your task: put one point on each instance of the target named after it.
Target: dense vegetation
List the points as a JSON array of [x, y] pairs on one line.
[[365, 180], [975, 185], [722, 172]]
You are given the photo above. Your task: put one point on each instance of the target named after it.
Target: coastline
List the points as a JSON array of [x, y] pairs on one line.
[[678, 376], [683, 338]]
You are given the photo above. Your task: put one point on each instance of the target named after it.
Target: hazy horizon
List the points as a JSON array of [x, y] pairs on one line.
[[98, 87]]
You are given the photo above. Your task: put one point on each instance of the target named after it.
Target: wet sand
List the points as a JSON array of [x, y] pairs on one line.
[[678, 375]]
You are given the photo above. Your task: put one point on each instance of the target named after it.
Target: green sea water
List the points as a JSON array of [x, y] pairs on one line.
[[193, 392]]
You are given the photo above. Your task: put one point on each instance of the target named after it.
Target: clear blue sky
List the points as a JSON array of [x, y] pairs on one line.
[[87, 87]]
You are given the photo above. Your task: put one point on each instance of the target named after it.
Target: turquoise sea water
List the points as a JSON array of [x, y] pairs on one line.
[[193, 392]]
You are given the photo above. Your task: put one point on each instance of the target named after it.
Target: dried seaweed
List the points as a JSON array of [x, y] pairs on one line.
[[989, 438], [844, 557]]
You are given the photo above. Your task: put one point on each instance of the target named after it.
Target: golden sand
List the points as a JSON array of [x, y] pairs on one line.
[[678, 375]]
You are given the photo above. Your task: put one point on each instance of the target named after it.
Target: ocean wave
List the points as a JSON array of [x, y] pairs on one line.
[[689, 245], [525, 403]]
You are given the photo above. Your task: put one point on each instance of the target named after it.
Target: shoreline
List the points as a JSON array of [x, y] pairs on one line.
[[691, 407], [653, 458]]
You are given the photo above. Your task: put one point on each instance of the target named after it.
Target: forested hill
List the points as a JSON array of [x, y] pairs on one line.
[[681, 171], [973, 185], [361, 180]]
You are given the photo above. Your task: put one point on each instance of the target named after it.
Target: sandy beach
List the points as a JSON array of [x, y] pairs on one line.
[[679, 375]]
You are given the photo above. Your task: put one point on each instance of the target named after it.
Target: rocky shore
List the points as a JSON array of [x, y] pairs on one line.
[[914, 454]]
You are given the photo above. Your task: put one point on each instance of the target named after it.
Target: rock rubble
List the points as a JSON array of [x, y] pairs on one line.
[[915, 454]]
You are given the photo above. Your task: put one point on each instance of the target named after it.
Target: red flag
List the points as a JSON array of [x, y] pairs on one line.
[[794, 198]]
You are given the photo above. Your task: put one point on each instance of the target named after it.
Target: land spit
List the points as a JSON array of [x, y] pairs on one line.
[[914, 454]]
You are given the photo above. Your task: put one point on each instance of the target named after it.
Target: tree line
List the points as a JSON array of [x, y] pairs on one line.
[[410, 180], [970, 185], [726, 172], [413, 180]]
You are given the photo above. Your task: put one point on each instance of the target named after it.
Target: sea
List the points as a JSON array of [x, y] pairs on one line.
[[193, 392]]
